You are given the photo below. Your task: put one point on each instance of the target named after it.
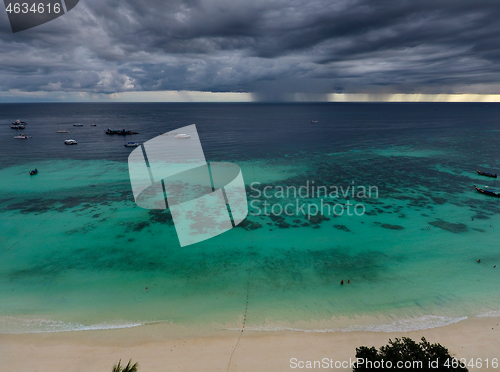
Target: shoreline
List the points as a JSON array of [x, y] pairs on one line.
[[385, 323], [155, 349]]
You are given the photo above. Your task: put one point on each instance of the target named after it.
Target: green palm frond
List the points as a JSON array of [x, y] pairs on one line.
[[117, 367], [128, 368]]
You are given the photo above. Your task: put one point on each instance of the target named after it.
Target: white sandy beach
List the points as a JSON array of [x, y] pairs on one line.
[[156, 350]]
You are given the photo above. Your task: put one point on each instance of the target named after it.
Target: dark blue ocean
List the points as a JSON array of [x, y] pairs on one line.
[[251, 130]]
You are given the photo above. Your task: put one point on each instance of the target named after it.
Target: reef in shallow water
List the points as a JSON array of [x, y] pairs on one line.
[[452, 227]]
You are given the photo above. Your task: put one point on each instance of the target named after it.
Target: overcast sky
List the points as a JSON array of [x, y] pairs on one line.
[[271, 49]]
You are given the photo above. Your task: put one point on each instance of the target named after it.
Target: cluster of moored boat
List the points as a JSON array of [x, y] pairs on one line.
[[72, 141], [122, 132], [18, 124], [486, 190]]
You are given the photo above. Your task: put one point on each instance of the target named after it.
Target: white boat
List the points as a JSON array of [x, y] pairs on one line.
[[78, 125], [93, 125], [314, 122], [19, 122], [22, 136], [132, 144], [17, 126], [70, 142], [63, 131], [182, 135]]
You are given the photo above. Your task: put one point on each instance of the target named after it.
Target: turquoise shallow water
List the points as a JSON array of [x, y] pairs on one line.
[[80, 252], [77, 253]]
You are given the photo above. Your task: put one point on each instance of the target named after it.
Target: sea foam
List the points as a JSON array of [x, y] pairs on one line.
[[14, 325], [403, 325]]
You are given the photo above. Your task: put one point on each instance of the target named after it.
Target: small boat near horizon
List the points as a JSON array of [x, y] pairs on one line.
[[182, 135], [78, 125], [63, 131], [314, 121], [121, 132], [70, 142], [19, 122], [487, 192], [487, 174], [17, 126], [132, 144], [21, 136]]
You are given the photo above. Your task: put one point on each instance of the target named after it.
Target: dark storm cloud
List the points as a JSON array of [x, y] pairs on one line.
[[267, 47]]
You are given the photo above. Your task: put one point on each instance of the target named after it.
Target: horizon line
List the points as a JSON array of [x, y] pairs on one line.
[[238, 97]]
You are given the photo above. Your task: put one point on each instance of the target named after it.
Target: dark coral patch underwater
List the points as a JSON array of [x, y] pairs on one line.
[[455, 228]]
